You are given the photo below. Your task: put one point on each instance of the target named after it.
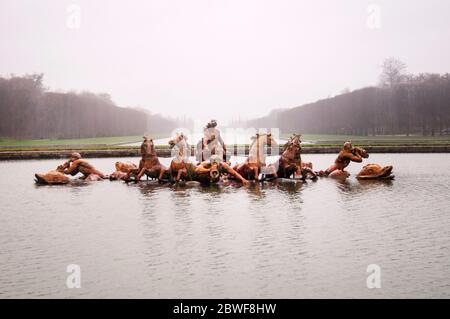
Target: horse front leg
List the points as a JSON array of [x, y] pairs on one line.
[[181, 173], [256, 173], [161, 174], [170, 173], [270, 172], [297, 170], [127, 177], [273, 170], [139, 176], [311, 173]]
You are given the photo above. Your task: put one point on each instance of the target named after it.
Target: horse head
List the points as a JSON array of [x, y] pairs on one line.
[[179, 145], [292, 148], [179, 138], [257, 152], [264, 139], [148, 147], [294, 140], [271, 140]]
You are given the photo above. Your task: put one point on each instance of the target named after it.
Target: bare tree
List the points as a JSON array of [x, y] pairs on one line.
[[393, 72]]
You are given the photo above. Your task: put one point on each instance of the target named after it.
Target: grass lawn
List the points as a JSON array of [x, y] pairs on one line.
[[385, 140], [95, 141], [117, 142]]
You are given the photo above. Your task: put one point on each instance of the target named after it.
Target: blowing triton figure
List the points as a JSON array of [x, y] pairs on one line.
[[73, 166], [76, 165], [346, 155]]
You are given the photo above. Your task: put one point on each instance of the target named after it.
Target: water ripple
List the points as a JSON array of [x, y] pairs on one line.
[[271, 240]]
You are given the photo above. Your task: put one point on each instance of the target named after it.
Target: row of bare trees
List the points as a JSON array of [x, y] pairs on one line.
[[402, 104], [29, 110]]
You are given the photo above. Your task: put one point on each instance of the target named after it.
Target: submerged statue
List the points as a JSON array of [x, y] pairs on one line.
[[209, 171], [180, 164], [290, 162], [73, 166], [122, 171], [216, 169], [149, 163], [213, 170], [375, 171], [55, 177], [256, 160], [76, 165], [346, 155]]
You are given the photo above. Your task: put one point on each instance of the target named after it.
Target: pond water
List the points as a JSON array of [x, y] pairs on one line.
[[271, 240]]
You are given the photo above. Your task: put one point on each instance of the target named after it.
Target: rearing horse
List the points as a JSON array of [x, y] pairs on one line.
[[256, 161], [180, 162], [290, 161], [149, 164]]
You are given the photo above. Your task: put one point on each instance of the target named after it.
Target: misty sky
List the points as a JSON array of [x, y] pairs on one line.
[[220, 59]]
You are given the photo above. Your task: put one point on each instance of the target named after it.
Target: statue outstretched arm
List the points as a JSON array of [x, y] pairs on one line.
[[73, 169], [354, 158], [63, 166], [238, 176], [201, 169]]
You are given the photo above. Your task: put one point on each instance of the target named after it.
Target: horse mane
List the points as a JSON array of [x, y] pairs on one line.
[[289, 141], [183, 138], [258, 136], [180, 137], [286, 145], [145, 145]]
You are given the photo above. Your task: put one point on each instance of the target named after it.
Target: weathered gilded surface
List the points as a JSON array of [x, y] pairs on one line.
[[375, 171]]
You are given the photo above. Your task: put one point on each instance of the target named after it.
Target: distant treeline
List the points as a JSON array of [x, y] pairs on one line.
[[28, 110], [412, 105]]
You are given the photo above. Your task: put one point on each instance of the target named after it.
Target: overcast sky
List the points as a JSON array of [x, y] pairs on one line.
[[220, 59]]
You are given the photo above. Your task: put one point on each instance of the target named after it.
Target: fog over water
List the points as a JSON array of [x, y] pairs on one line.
[[220, 59]]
